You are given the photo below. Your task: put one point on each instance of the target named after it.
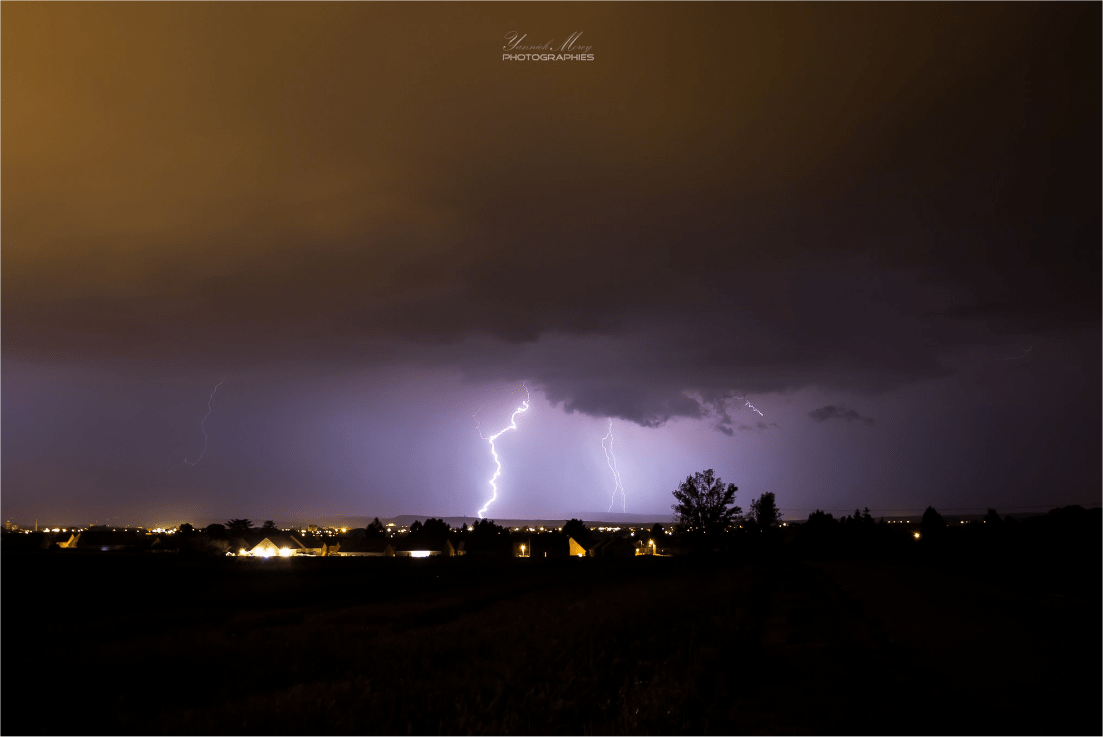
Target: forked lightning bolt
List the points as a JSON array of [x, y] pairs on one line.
[[612, 461], [203, 424], [493, 451]]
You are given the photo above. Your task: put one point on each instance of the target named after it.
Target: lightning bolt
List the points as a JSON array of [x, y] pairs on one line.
[[612, 461], [203, 424], [747, 403], [753, 408], [493, 451]]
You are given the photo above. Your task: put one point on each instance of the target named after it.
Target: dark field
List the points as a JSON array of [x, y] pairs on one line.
[[116, 643]]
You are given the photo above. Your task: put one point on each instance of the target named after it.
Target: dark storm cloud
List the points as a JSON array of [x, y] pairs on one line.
[[831, 412], [839, 204]]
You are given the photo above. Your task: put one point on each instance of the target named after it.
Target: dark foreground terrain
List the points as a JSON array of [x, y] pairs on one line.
[[115, 643]]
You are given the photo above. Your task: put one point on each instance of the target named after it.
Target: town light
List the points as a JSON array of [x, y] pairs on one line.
[[419, 553], [915, 535], [285, 552]]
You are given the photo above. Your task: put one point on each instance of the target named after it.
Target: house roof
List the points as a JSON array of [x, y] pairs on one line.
[[281, 541]]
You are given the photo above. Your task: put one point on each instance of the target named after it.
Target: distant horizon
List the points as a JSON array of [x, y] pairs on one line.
[[361, 521]]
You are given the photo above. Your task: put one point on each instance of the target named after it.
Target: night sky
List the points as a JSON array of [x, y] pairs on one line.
[[877, 223]]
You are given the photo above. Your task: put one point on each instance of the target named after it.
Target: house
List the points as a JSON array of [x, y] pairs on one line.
[[544, 545], [577, 551], [314, 544], [66, 539], [365, 547], [613, 547], [278, 545], [423, 547]]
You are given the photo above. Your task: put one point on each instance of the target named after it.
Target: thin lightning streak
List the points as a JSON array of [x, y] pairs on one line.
[[203, 424], [511, 426], [747, 403], [611, 459]]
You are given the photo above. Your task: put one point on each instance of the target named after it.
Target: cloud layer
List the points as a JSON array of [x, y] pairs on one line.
[[754, 219]]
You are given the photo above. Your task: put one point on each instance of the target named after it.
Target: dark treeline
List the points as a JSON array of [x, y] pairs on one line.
[[1070, 533], [708, 523]]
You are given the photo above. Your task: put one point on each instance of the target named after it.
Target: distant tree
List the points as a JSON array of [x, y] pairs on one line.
[[239, 526], [436, 527], [487, 527], [488, 537], [657, 532], [932, 525], [215, 530], [268, 525], [705, 504], [577, 529], [431, 532], [820, 518], [186, 529], [764, 511], [991, 518], [931, 518], [867, 518], [820, 534], [375, 529]]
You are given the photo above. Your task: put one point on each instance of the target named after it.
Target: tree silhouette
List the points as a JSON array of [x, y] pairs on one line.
[[487, 537], [764, 510], [268, 525], [932, 519], [435, 527], [577, 529], [375, 529], [215, 530], [705, 504], [186, 529], [239, 526]]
